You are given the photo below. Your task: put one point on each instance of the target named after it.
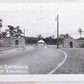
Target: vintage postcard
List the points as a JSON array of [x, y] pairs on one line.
[[42, 39]]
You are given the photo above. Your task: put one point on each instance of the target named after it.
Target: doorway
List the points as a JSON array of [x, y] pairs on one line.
[[16, 42], [71, 44]]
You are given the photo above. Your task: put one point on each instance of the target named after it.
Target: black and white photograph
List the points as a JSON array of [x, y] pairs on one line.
[[42, 38]]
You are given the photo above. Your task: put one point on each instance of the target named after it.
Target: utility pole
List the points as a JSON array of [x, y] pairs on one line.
[[80, 31], [24, 32], [57, 31], [9, 41]]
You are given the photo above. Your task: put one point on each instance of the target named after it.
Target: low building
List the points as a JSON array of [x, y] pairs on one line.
[[69, 42], [81, 42], [41, 42], [6, 42]]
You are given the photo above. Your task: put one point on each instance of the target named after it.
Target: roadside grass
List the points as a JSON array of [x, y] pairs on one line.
[[5, 48], [29, 47], [74, 63]]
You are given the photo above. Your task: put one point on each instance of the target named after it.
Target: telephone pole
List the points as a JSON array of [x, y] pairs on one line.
[[80, 31], [24, 32], [57, 31]]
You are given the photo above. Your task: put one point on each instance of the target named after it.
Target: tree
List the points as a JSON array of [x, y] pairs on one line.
[[11, 30], [15, 31], [18, 32], [4, 34], [39, 36], [0, 27], [1, 23]]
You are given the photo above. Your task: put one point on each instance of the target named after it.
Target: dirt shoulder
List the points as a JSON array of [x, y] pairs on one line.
[[10, 50], [5, 48], [74, 63]]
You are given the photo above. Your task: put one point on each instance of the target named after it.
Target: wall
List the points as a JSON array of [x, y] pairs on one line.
[[66, 43], [5, 42], [21, 41]]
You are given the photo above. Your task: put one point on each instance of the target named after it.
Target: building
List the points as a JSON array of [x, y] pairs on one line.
[[69, 42], [81, 42], [15, 42], [41, 42]]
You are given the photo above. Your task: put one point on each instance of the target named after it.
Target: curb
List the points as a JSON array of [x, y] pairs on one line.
[[61, 63]]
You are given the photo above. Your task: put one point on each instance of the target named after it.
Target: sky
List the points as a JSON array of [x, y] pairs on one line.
[[39, 18]]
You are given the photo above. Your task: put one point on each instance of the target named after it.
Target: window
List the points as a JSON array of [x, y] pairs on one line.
[[16, 42]]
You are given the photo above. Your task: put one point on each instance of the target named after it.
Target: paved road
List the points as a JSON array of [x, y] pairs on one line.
[[39, 60]]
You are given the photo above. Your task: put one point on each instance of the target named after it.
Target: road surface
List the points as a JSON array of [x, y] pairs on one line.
[[39, 60]]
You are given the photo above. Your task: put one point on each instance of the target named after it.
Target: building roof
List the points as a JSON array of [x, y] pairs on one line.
[[41, 41], [63, 36]]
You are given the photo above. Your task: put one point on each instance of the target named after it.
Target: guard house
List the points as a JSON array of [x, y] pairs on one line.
[[17, 42], [13, 36], [16, 38], [41, 42], [69, 42], [81, 42], [12, 42]]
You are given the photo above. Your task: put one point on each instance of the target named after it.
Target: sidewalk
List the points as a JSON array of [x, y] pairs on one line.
[[11, 50], [5, 51]]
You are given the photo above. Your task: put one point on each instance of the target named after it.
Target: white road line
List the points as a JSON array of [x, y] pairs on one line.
[[59, 64]]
